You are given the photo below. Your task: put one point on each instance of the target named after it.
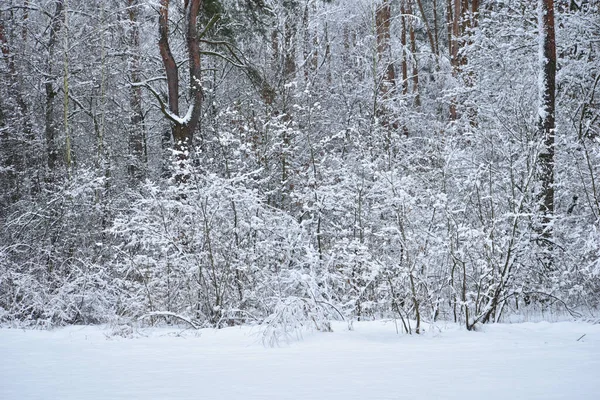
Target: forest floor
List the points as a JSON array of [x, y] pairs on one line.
[[503, 361]]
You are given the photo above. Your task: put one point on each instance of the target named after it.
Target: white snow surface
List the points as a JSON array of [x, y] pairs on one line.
[[504, 361]]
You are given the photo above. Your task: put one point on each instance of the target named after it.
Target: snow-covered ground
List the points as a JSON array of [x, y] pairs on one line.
[[513, 361]]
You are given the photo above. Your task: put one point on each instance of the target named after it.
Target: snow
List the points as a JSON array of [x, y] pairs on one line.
[[504, 361], [187, 118]]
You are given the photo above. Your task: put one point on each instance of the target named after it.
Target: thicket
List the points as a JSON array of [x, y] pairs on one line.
[[316, 188]]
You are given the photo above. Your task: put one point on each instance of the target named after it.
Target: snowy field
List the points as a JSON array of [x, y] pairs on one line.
[[513, 361]]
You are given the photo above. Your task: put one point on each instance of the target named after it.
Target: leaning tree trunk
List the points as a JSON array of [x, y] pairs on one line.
[[432, 40]]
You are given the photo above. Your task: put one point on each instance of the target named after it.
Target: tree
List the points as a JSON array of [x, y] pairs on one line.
[[182, 126], [137, 136], [306, 199], [546, 122], [386, 84], [383, 19], [462, 19], [18, 140]]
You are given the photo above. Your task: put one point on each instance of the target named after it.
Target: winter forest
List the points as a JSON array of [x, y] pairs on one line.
[[288, 163]]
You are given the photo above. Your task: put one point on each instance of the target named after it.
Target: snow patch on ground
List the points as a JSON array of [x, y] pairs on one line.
[[504, 361]]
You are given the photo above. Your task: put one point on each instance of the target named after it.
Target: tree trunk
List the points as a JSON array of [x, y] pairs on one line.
[[18, 153], [462, 17], [546, 123], [427, 29], [404, 49], [12, 70], [137, 137], [68, 153], [436, 29], [289, 59], [182, 128], [413, 50], [474, 13], [382, 22], [309, 47], [171, 69], [192, 9], [50, 123], [452, 47]]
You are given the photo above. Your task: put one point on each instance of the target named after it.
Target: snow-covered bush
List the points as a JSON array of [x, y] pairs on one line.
[[50, 271], [210, 250]]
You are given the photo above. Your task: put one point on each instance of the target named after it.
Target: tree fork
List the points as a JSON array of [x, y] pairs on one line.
[[182, 129]]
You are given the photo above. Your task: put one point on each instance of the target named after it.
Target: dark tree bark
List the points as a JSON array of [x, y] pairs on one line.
[[432, 43], [137, 136], [17, 147], [382, 22], [51, 91], [413, 50], [182, 128], [404, 48], [310, 49], [452, 32], [387, 84], [456, 35], [436, 28], [546, 123], [12, 70], [306, 44], [192, 7], [474, 13], [462, 17], [289, 59], [169, 63]]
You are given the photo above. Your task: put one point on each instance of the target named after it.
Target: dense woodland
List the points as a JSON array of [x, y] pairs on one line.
[[292, 162]]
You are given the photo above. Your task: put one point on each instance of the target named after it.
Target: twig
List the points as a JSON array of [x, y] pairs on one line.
[[163, 106], [169, 314]]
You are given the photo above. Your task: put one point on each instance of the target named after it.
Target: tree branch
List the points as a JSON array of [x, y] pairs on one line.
[[163, 106]]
